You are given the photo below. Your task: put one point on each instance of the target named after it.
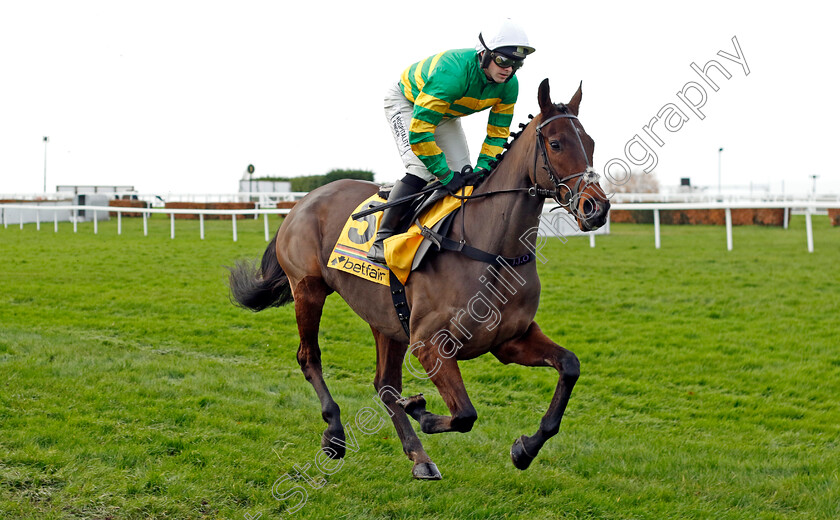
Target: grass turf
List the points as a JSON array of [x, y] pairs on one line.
[[131, 388]]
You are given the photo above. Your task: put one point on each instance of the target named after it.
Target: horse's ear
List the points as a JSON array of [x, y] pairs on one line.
[[544, 98], [574, 104]]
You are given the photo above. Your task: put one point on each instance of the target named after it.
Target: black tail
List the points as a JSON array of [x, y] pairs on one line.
[[258, 288]]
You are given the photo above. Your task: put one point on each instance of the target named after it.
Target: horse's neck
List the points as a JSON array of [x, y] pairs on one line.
[[495, 223]]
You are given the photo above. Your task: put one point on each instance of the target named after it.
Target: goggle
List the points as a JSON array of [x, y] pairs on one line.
[[504, 62]]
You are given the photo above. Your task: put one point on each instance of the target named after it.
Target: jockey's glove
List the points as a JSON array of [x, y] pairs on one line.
[[459, 179], [473, 177]]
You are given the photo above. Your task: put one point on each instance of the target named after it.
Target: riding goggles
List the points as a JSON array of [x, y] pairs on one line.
[[505, 61]]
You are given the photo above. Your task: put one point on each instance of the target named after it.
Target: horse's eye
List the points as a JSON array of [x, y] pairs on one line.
[[555, 145]]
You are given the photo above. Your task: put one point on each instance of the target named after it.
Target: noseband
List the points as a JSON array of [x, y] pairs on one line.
[[584, 178]]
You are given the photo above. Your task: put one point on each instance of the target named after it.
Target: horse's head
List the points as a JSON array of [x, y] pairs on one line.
[[564, 162]]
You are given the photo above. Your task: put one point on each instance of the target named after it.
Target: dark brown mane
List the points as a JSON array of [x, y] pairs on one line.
[[561, 107], [513, 136]]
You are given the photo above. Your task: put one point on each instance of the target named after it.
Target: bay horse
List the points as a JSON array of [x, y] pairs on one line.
[[551, 157]]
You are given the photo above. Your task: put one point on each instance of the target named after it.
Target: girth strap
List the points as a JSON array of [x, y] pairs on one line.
[[445, 243], [400, 301]]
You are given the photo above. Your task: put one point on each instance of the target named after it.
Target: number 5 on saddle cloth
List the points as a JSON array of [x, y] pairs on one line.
[[403, 252]]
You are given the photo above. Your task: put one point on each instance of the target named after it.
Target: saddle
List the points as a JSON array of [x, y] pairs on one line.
[[417, 207], [427, 223], [404, 250]]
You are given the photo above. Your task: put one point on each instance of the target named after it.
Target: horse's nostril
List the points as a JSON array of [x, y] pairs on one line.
[[589, 208]]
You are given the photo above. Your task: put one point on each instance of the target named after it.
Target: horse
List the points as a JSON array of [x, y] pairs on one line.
[[550, 157]]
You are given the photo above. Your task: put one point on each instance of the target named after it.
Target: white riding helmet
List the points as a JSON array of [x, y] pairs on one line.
[[505, 33]]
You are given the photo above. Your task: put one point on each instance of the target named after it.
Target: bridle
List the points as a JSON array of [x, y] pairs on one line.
[[584, 179], [573, 194], [570, 201]]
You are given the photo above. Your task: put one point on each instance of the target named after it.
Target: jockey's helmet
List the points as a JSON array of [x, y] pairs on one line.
[[504, 39]]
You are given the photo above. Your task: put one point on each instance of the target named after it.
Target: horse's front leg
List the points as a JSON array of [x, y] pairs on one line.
[[535, 349], [445, 374]]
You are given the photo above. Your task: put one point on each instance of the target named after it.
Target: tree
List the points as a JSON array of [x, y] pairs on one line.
[[334, 175], [310, 182], [637, 182], [307, 182]]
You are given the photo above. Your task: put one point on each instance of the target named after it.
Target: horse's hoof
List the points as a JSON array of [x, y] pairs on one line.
[[519, 456], [331, 446], [409, 404], [425, 471]]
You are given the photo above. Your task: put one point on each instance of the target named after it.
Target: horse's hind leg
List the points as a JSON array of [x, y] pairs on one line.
[[535, 349], [310, 295], [388, 384]]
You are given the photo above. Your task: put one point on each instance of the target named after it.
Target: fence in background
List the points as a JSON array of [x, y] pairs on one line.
[[265, 198], [159, 199], [55, 211], [807, 207]]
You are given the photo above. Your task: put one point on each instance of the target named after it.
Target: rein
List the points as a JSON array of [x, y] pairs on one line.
[[442, 242], [587, 177]]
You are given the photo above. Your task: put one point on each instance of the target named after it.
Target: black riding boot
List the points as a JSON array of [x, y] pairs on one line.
[[408, 185]]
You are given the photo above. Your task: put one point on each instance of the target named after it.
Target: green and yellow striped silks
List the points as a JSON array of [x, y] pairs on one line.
[[451, 84]]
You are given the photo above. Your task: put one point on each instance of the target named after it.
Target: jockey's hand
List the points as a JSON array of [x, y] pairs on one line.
[[457, 182], [472, 176]]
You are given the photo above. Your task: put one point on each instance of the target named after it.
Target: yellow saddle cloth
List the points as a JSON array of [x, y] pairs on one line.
[[357, 237]]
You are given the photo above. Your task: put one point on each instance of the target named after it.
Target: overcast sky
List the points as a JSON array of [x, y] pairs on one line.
[[180, 96]]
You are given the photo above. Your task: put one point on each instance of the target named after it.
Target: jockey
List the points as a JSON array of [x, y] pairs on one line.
[[424, 107]]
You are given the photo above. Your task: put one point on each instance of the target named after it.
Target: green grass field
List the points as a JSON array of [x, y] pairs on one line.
[[131, 388]]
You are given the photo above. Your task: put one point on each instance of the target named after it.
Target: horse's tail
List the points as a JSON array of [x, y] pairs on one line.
[[258, 288]]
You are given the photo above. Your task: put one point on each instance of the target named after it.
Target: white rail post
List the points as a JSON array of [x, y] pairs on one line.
[[55, 220], [591, 239], [75, 221], [787, 217], [728, 229], [145, 223], [95, 223], [201, 225], [656, 239], [38, 219], [5, 223], [119, 222], [809, 230], [233, 218], [21, 219], [265, 221], [172, 226]]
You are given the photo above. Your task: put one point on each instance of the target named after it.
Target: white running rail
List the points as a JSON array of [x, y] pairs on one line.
[[807, 207]]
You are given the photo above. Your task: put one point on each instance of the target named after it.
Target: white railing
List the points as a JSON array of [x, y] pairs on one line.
[[265, 198], [159, 199], [39, 197], [256, 196], [145, 212], [712, 197], [808, 207], [262, 198]]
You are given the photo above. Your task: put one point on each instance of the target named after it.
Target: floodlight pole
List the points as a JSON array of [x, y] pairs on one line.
[[46, 140]]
